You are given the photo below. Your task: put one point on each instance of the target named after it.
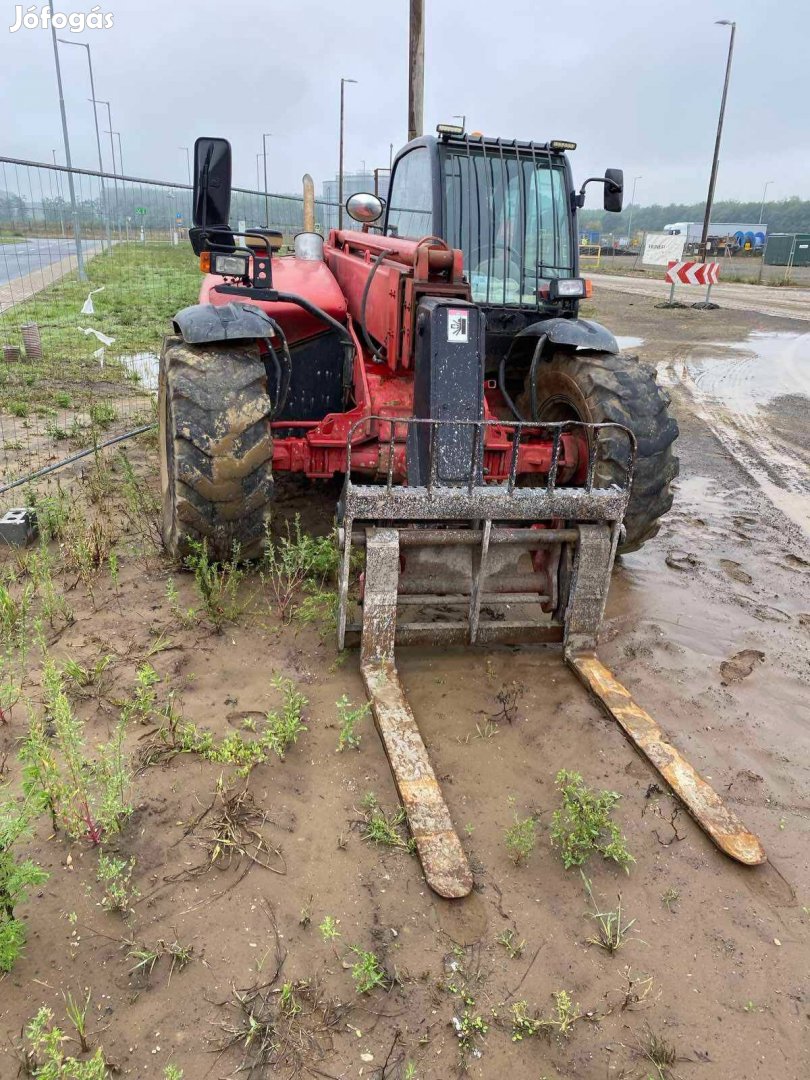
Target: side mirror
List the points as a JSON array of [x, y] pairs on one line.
[[614, 190], [212, 183], [364, 207]]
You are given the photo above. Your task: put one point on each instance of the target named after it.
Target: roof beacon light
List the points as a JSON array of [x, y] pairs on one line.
[[562, 144], [449, 129]]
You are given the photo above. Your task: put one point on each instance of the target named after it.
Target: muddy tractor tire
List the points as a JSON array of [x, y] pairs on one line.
[[600, 387], [216, 450]]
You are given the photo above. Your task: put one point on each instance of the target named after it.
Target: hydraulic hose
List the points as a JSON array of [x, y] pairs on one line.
[[378, 352]]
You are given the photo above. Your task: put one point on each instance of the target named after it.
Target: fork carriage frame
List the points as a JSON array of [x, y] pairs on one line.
[[572, 533]]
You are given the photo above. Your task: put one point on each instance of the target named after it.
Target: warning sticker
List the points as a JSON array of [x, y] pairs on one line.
[[458, 325]]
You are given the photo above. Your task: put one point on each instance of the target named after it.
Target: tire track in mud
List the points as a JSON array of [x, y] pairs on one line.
[[736, 400]]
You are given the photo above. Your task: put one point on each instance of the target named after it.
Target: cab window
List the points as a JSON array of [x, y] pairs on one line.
[[410, 204]]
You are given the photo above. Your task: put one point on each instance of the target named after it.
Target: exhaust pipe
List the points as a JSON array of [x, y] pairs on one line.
[[309, 203]]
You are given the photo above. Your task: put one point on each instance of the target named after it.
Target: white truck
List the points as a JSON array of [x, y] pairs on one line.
[[725, 237]]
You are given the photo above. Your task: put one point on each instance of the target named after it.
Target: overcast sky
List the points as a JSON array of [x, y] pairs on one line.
[[636, 83]]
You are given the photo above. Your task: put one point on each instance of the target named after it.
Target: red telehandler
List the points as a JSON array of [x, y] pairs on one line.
[[497, 450]]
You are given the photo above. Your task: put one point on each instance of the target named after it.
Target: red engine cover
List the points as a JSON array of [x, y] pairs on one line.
[[304, 277]]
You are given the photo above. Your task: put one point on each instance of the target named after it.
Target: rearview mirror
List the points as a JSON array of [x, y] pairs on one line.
[[212, 182], [364, 207], [614, 190]]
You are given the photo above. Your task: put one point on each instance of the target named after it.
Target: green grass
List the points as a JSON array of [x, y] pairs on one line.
[[144, 286]]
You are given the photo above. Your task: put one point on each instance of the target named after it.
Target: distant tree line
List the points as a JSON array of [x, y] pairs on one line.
[[788, 215]]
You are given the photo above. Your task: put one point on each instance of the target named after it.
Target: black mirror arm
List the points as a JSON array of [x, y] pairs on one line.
[[578, 199]]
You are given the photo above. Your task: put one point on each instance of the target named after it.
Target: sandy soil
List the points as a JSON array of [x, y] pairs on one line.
[[727, 957]]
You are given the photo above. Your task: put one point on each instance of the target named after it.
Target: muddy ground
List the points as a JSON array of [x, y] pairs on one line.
[[720, 968]]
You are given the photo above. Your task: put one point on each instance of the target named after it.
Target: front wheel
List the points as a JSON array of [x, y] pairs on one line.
[[598, 388], [216, 450]]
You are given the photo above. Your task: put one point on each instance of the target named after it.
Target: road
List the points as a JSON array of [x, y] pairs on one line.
[[29, 266], [787, 302]]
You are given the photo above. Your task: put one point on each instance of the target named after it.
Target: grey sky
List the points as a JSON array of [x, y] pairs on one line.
[[635, 82]]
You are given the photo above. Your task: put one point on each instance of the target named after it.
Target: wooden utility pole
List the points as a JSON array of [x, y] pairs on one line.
[[716, 159], [416, 70]]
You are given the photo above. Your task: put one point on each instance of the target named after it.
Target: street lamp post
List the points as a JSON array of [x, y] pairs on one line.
[[716, 158], [340, 161], [762, 204], [112, 154], [73, 210], [61, 199], [188, 162], [104, 209], [632, 208], [267, 135]]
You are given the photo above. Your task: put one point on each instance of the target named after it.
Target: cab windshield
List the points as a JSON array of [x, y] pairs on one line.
[[509, 213]]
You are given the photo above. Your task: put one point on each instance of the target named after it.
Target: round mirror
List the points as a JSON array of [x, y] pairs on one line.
[[364, 207]]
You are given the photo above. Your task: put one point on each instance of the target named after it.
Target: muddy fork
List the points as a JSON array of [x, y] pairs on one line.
[[593, 566], [443, 860]]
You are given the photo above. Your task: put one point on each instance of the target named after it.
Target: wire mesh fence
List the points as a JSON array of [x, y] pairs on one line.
[[92, 268]]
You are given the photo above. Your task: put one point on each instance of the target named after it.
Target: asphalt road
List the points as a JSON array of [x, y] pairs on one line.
[[787, 302], [32, 255]]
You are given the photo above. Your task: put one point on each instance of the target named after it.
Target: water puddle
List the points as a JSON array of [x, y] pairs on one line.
[[763, 367], [629, 342], [753, 394], [141, 368]]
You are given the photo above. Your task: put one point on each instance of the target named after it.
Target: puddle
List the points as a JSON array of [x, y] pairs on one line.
[[143, 365], [754, 395], [763, 367], [629, 342]]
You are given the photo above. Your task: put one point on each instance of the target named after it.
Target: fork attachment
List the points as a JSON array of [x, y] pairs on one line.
[[459, 547]]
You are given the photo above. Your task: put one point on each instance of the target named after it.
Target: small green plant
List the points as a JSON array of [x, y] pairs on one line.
[[17, 878], [102, 414], [350, 716], [367, 971], [509, 941], [296, 559], [85, 679], [115, 878], [329, 928], [470, 1030], [217, 584], [145, 958], [77, 1014], [173, 1072], [561, 1021], [612, 931], [43, 1055], [18, 409], [583, 825], [521, 839], [660, 1053], [670, 897], [61, 398], [288, 1000], [86, 797], [144, 697], [283, 728], [382, 828]]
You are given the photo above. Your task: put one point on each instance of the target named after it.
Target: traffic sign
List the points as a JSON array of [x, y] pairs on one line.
[[693, 273], [140, 209]]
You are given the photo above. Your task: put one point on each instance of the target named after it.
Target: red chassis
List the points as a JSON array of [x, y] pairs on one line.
[[402, 272]]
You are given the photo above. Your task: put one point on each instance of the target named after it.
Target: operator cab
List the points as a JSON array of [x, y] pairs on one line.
[[509, 206]]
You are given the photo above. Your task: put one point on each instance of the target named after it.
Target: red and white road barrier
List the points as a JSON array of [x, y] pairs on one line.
[[692, 273]]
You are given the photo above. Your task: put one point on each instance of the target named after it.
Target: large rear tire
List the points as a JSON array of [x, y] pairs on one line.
[[216, 450], [596, 388]]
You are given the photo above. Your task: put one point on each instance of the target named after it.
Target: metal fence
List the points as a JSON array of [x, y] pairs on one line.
[[92, 268]]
